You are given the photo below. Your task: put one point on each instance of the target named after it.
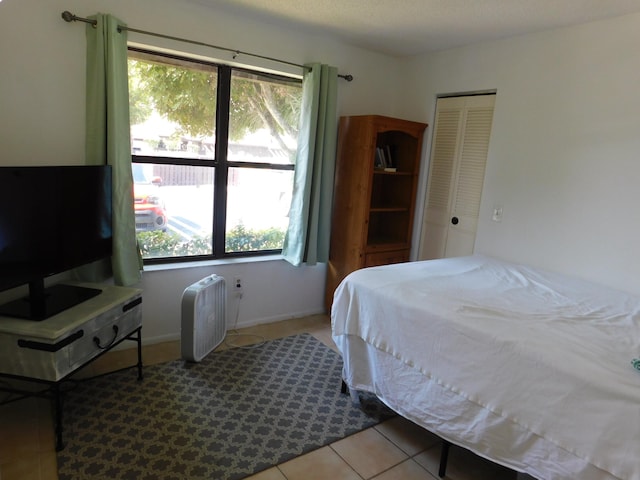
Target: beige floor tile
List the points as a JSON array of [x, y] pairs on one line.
[[369, 452], [160, 353], [286, 327], [407, 470], [19, 425], [408, 436], [21, 468], [48, 466], [323, 334], [463, 465], [321, 464], [270, 474], [270, 331]]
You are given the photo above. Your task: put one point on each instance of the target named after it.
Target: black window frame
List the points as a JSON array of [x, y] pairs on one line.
[[219, 163]]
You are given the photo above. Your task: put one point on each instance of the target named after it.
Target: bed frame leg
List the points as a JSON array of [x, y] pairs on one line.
[[444, 457]]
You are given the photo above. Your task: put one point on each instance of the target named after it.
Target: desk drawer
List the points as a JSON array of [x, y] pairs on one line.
[[102, 332], [386, 258]]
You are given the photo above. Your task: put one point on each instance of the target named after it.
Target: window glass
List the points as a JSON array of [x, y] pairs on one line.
[[263, 123], [172, 106], [174, 209], [258, 202], [198, 191]]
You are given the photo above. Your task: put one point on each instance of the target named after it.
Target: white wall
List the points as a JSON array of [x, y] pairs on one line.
[[564, 158], [42, 113]]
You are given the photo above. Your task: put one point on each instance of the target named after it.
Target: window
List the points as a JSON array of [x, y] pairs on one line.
[[213, 150]]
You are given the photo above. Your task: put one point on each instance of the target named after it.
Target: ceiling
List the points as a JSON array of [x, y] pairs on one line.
[[410, 27]]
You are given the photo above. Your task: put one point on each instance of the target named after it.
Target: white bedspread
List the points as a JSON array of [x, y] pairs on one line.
[[527, 368]]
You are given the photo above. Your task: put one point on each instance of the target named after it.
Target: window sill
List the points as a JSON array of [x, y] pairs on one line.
[[208, 263]]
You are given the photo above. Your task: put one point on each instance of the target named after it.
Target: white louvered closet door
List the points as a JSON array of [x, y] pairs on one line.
[[456, 175]]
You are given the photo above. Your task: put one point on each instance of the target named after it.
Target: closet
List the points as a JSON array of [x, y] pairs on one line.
[[459, 149]]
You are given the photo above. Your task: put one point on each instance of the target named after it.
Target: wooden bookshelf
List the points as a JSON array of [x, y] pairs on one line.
[[374, 195]]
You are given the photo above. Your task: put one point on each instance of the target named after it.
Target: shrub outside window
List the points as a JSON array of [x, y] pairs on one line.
[[213, 151]]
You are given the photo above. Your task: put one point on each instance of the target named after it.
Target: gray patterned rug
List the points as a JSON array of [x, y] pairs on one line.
[[236, 413]]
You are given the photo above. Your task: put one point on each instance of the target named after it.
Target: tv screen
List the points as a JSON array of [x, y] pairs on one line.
[[52, 219]]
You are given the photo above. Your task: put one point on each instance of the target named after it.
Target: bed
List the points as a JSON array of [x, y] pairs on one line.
[[530, 369]]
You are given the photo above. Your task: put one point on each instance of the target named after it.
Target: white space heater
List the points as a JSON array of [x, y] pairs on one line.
[[204, 317]]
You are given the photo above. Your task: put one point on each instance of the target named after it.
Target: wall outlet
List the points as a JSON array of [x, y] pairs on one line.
[[237, 286]]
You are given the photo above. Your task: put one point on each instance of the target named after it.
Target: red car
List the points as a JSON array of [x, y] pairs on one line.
[[148, 204]]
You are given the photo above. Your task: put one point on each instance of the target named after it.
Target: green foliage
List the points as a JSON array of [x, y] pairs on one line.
[[257, 104], [159, 244], [139, 107], [186, 95], [242, 240]]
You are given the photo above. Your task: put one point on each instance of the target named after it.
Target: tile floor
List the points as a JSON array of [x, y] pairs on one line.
[[393, 450]]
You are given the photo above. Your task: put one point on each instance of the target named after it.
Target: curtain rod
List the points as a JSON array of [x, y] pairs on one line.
[[70, 17]]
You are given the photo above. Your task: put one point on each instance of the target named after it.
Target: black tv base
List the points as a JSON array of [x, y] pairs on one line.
[[42, 303]]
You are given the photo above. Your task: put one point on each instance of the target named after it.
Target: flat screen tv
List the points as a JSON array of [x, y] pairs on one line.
[[52, 219]]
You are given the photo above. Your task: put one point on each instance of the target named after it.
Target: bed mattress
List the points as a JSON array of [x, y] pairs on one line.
[[527, 368]]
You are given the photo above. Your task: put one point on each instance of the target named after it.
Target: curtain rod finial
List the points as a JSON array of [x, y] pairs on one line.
[[67, 16]]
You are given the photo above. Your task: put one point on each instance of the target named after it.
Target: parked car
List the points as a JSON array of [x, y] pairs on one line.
[[148, 203]]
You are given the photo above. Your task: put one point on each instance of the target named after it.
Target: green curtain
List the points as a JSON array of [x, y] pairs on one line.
[[307, 238], [108, 137]]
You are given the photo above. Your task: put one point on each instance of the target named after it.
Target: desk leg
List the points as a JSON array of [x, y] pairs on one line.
[[57, 405], [444, 457], [139, 339]]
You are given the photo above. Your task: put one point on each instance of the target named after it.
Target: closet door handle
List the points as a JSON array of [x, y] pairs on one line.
[[455, 220]]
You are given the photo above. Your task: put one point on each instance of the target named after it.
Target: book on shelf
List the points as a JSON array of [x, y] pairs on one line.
[[384, 159], [389, 157], [379, 161]]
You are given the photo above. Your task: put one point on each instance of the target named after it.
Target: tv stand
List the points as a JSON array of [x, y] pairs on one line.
[[50, 351]]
